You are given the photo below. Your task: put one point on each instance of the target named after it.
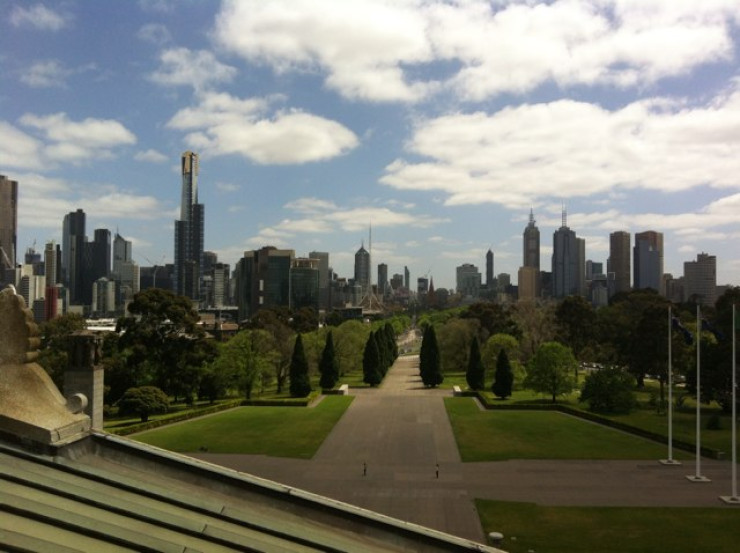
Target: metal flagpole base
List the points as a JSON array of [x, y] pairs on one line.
[[694, 478], [730, 499], [669, 462]]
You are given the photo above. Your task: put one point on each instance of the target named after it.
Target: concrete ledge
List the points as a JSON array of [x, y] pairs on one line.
[[457, 391], [343, 390]]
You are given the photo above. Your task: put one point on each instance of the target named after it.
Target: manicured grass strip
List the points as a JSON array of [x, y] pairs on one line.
[[611, 529], [502, 435], [275, 431]]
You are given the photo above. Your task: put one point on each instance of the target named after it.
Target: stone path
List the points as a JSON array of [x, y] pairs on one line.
[[402, 432]]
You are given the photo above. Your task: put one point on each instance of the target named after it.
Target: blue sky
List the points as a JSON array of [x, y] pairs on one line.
[[438, 123]]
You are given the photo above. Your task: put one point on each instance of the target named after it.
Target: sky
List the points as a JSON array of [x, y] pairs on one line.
[[438, 124]]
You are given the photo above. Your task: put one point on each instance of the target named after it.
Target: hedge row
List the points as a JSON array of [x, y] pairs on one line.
[[594, 417], [284, 402], [149, 425]]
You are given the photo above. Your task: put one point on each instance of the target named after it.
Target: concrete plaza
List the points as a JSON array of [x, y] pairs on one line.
[[401, 434]]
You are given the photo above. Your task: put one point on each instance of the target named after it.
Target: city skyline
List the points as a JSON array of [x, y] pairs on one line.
[[441, 125]]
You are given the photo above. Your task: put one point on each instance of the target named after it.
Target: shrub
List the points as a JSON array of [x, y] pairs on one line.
[[143, 401], [609, 390]]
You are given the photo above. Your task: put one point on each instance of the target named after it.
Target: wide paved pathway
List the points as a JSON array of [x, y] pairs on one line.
[[401, 433]]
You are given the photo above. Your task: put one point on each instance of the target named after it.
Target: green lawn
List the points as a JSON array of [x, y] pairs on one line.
[[277, 431], [500, 435], [611, 529]]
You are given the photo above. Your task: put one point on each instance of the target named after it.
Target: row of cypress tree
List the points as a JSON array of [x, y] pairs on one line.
[[379, 354], [475, 376], [430, 360]]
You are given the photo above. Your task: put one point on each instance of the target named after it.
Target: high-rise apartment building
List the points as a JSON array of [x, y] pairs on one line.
[[700, 279], [189, 232], [324, 277], [648, 261], [468, 280], [619, 260], [52, 262], [304, 283], [566, 256], [263, 280], [383, 280], [8, 229]]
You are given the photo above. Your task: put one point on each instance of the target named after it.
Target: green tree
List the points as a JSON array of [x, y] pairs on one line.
[[492, 319], [300, 385], [54, 352], [609, 390], [371, 370], [575, 321], [430, 364], [163, 336], [505, 342], [503, 380], [551, 370], [328, 367], [476, 373], [349, 344], [143, 401], [276, 322], [453, 339], [244, 359]]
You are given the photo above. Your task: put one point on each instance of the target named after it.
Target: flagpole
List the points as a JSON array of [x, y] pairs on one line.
[[698, 477], [733, 499], [670, 460]]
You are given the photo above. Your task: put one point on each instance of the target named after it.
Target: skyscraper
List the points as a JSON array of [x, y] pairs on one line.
[[531, 258], [324, 277], [8, 228], [304, 283], [700, 279], [362, 269], [565, 262], [263, 280], [467, 281], [531, 243], [648, 261], [73, 255], [121, 252], [619, 260], [189, 232], [383, 280], [489, 271]]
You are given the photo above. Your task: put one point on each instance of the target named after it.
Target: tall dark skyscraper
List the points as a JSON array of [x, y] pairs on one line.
[[531, 244], [619, 260], [189, 232], [362, 268], [566, 280], [73, 255], [8, 227], [489, 270], [648, 261]]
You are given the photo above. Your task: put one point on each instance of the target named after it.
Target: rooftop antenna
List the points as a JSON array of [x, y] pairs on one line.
[[565, 216], [370, 303]]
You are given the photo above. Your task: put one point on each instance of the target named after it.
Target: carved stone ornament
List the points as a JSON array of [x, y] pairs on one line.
[[31, 407]]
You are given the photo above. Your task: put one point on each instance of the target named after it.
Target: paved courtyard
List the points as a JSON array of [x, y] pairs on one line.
[[401, 434]]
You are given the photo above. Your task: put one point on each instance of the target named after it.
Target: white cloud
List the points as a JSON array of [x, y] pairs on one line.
[[38, 17], [157, 6], [71, 141], [227, 187], [45, 74], [199, 69], [361, 45], [371, 49], [151, 156], [155, 33], [225, 125], [311, 205], [18, 149], [520, 155]]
